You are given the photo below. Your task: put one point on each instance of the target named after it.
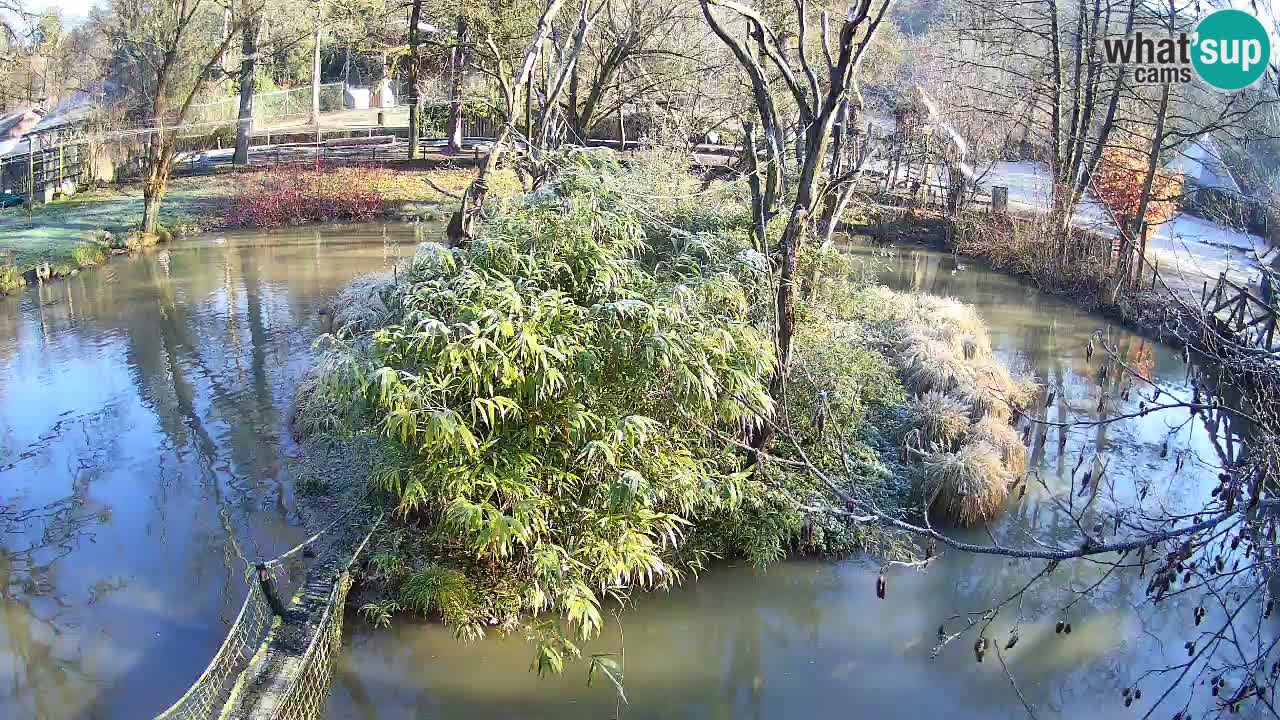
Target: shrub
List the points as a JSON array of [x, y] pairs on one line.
[[941, 419], [1033, 246], [552, 398], [285, 196], [11, 279], [968, 486], [1118, 183], [86, 254]]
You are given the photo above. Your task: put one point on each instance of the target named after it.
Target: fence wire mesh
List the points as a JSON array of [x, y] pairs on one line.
[[269, 106], [209, 693], [308, 678], [306, 695]]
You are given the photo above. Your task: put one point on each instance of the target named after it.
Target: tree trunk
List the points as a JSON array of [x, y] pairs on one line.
[[457, 67], [248, 82], [1129, 236], [156, 181], [414, 100]]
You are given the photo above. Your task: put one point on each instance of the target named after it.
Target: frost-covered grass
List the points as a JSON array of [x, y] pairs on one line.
[[65, 233], [68, 234], [958, 423]]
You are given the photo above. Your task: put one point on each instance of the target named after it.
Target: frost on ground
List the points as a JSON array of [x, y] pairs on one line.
[[1190, 250]]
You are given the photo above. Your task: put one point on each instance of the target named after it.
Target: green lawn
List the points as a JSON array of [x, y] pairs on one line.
[[58, 232], [67, 234]]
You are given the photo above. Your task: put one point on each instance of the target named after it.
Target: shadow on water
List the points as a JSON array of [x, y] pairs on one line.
[[143, 439], [810, 639]]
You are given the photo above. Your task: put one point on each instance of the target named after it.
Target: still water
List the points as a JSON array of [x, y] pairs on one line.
[[143, 436], [809, 638], [144, 448]]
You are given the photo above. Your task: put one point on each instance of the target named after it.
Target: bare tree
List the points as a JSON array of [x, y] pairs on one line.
[[512, 85], [821, 90], [162, 42]]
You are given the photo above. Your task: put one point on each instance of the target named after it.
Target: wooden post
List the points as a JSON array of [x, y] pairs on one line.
[[999, 200], [268, 585], [31, 170], [622, 129]]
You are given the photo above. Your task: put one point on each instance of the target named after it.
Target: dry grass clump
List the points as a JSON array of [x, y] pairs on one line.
[[929, 364], [960, 420], [993, 392], [1000, 435], [895, 306], [957, 325], [967, 486], [942, 420]]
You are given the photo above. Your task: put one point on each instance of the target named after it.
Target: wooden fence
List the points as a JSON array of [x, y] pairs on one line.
[[1240, 315]]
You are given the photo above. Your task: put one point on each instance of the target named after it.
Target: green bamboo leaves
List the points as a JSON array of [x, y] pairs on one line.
[[552, 386]]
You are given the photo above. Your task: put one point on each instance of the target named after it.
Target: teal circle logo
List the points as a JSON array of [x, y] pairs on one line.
[[1232, 49]]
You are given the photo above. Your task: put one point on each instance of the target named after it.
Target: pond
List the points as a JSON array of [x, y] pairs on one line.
[[144, 449], [143, 425]]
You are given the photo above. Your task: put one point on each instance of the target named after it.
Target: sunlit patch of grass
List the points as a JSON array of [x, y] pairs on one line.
[[1000, 435]]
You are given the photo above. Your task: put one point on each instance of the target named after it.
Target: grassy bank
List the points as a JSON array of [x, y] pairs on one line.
[[561, 409], [66, 236], [71, 234]]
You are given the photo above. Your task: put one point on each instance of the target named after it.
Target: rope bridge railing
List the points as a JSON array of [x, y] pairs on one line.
[[305, 697], [249, 671], [311, 674], [1249, 319], [209, 693]]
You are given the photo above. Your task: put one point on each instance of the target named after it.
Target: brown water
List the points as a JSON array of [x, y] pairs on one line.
[[143, 413], [810, 639]]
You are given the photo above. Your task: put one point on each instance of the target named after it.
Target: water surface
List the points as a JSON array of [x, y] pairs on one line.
[[143, 453]]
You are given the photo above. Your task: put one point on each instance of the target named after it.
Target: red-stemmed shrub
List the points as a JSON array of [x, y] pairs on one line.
[[290, 196]]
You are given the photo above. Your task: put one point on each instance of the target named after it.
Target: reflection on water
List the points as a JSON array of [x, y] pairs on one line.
[[142, 424], [810, 639]]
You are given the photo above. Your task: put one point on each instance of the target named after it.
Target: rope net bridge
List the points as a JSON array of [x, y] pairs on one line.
[[277, 663]]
